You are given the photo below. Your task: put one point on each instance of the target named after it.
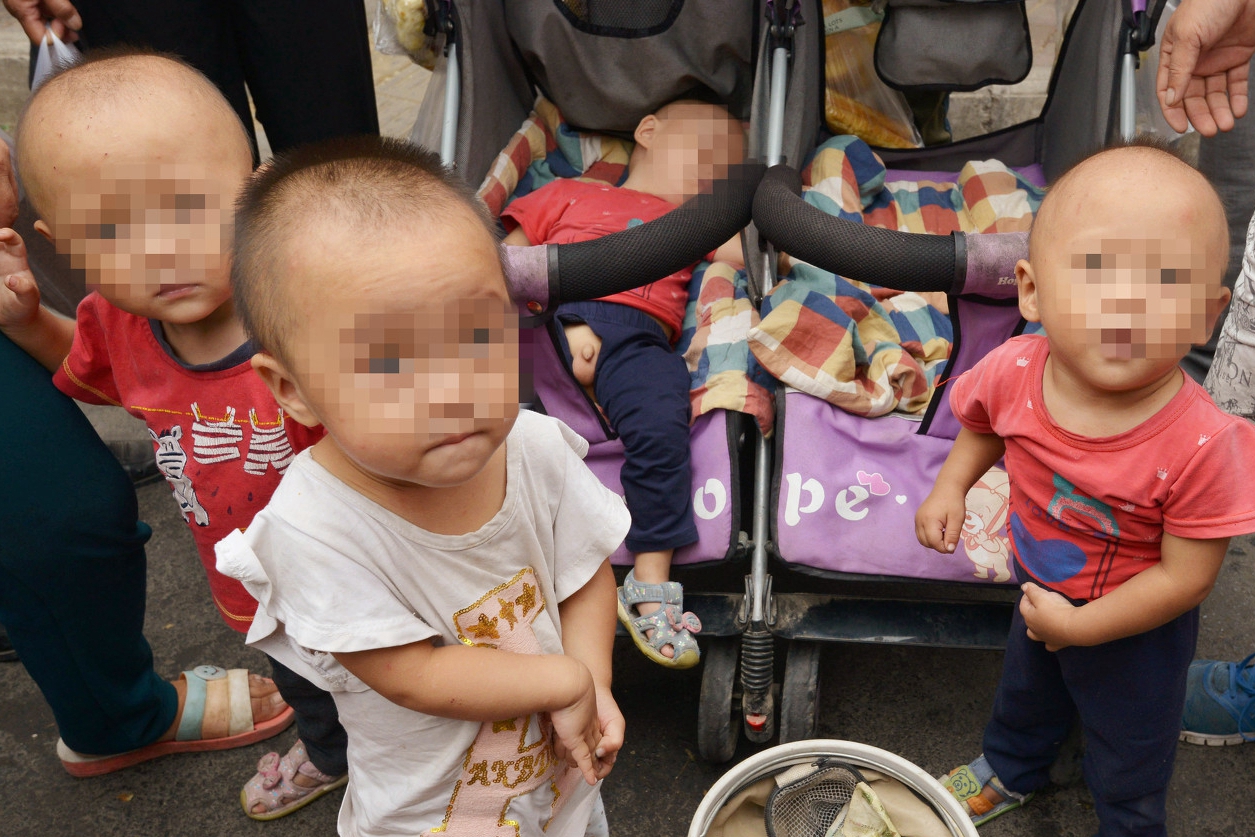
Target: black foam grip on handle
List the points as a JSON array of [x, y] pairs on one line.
[[888, 258], [649, 252]]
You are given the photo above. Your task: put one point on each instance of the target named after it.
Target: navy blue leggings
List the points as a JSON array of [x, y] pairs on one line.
[[73, 569], [1129, 694], [643, 387]]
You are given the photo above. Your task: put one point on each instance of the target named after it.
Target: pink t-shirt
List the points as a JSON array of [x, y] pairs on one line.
[[221, 441], [1089, 514], [566, 211]]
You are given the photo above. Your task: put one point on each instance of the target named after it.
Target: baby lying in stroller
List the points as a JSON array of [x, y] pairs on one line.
[[621, 350]]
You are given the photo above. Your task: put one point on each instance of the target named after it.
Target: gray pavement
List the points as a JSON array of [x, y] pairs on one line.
[[926, 705]]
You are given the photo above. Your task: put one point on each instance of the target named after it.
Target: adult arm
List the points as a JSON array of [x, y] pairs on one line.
[[31, 14]]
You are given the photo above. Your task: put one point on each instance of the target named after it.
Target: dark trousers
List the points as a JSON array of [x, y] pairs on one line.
[[317, 720], [306, 62], [643, 387], [1129, 694], [73, 569]]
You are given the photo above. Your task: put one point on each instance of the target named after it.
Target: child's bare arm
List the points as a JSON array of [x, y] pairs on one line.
[[517, 238], [588, 619], [41, 333], [731, 252], [473, 683], [1179, 582], [940, 517]]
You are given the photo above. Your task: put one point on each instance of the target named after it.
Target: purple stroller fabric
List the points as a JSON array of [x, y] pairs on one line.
[[715, 492], [847, 487]]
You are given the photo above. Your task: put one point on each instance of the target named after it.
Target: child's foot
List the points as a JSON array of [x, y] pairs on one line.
[[1219, 702], [282, 785], [982, 793], [217, 710], [654, 617]]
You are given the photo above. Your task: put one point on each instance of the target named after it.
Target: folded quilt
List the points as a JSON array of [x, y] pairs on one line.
[[871, 350]]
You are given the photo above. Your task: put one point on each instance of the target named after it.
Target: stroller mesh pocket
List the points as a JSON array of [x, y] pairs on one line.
[[808, 806], [621, 18]]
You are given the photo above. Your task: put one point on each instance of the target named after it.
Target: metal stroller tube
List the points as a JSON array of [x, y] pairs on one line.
[[540, 277], [981, 264]]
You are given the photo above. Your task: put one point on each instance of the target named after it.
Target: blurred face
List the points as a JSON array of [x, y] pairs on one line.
[[146, 211], [408, 350], [696, 143], [1124, 288]]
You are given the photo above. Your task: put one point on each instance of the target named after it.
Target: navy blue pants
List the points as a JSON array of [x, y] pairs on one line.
[[1129, 694], [643, 387], [73, 569], [317, 719]]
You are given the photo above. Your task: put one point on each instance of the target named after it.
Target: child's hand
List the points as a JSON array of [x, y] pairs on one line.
[[939, 520], [577, 732], [19, 295], [1047, 615], [612, 726]]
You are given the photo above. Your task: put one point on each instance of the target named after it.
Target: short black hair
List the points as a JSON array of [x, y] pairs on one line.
[[367, 181]]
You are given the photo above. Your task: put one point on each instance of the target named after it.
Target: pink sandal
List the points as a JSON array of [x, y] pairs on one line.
[[273, 786]]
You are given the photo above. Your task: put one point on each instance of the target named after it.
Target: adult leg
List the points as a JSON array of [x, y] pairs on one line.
[[307, 64], [198, 31], [1130, 694], [73, 570]]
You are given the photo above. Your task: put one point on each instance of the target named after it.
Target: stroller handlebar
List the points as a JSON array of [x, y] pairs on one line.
[[955, 263], [540, 277]]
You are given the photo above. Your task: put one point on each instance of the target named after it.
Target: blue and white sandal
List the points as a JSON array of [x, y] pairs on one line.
[[670, 624], [966, 783]]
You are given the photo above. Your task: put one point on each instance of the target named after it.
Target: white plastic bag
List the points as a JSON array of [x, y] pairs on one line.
[[54, 54], [399, 28]]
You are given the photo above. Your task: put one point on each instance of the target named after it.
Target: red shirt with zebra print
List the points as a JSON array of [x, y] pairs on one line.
[[220, 440]]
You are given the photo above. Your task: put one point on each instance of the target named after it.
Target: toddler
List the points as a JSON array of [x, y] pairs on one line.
[[621, 350], [438, 561], [1126, 482], [132, 162]]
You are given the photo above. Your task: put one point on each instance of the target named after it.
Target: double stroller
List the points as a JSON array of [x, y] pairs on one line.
[[804, 509]]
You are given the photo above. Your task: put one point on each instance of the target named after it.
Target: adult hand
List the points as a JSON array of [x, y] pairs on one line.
[[32, 14], [1204, 61]]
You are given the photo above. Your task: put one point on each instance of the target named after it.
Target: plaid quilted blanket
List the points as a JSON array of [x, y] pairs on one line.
[[870, 350], [719, 316]]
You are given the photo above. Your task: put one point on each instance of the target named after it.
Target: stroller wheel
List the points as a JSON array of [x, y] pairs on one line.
[[717, 724], [799, 696]]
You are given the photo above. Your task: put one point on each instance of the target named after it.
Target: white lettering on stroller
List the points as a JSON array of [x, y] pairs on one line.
[[848, 498], [719, 499], [793, 510]]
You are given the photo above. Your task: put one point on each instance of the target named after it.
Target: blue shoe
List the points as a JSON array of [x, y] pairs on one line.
[[1219, 703]]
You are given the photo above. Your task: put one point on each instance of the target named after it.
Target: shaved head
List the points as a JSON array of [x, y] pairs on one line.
[[114, 101]]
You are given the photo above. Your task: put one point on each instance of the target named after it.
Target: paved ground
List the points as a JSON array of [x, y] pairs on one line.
[[927, 705]]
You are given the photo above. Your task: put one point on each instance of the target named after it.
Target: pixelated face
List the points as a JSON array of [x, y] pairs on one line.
[[1138, 299], [697, 144], [153, 239], [412, 364], [1125, 288]]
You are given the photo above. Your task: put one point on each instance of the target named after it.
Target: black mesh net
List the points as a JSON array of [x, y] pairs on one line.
[[807, 807]]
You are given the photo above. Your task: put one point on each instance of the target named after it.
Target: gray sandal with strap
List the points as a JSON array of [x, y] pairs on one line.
[[670, 624]]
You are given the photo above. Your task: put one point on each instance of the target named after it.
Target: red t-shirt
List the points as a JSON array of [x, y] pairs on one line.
[[221, 441], [566, 211], [1089, 514]]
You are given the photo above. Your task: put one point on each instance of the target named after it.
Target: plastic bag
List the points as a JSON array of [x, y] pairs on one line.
[[1149, 115], [54, 54], [399, 28], [856, 101]]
